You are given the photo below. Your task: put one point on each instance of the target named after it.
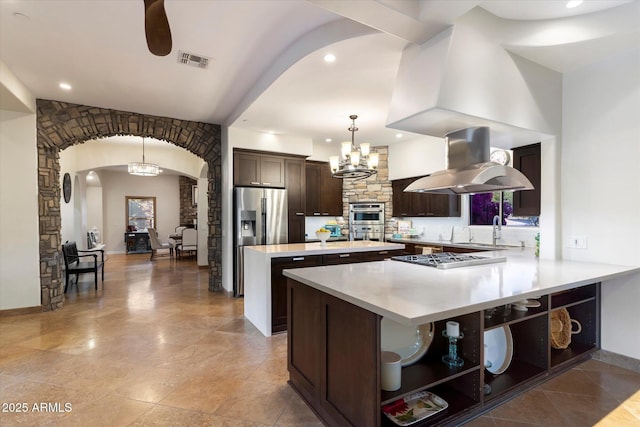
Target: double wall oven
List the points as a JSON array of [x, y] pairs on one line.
[[366, 221]]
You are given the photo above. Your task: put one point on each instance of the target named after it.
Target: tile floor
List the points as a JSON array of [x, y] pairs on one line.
[[156, 348]]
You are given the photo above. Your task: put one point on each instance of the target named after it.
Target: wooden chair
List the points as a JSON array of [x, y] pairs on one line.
[[157, 245], [74, 265], [189, 242]]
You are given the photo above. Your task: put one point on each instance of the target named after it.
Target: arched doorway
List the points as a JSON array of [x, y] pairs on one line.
[[61, 125]]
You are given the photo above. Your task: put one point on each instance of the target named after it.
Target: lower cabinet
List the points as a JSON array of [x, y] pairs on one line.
[[334, 363], [279, 286], [279, 282], [339, 378], [137, 242]]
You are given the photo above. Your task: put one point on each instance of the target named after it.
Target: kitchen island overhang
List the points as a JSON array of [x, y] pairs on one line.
[[413, 295]]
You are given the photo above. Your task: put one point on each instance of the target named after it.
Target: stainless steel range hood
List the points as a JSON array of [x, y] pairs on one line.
[[468, 168]]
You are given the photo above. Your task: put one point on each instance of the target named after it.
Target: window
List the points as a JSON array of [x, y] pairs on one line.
[[141, 212], [521, 208], [483, 207]]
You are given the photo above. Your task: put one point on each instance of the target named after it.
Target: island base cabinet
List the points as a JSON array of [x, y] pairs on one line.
[[279, 287], [334, 356]]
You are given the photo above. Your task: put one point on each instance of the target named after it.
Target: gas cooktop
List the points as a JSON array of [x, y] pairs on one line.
[[447, 260]]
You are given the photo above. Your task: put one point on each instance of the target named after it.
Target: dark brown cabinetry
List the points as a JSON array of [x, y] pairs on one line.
[[279, 286], [527, 160], [260, 170], [137, 242], [323, 192], [422, 204], [325, 366], [278, 281], [334, 344], [294, 178]]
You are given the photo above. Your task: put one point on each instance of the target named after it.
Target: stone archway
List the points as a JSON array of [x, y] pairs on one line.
[[61, 125]]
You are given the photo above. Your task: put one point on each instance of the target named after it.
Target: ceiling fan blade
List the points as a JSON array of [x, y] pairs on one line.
[[156, 27]]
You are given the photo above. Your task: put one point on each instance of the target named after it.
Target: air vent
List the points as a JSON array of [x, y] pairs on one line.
[[193, 60]]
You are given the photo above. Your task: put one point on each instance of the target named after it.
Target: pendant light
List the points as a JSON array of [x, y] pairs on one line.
[[354, 162], [143, 168]]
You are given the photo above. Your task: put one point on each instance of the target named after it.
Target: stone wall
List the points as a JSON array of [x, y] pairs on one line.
[[188, 211], [61, 125], [376, 188]]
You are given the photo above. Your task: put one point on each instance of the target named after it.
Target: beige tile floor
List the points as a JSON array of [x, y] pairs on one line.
[[156, 348]]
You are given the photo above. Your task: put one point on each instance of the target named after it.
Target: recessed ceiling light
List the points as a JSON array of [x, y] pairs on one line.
[[398, 135], [270, 132], [573, 3], [65, 86], [328, 140], [329, 57]]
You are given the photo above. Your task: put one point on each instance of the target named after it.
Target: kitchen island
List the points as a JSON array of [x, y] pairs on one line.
[[335, 323], [265, 287]]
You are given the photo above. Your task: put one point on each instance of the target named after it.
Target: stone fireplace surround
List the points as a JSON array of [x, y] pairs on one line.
[[61, 125]]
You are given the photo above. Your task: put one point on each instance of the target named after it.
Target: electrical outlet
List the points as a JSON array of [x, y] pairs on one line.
[[577, 242]]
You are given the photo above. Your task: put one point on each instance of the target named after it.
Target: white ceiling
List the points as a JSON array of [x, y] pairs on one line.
[[266, 70]]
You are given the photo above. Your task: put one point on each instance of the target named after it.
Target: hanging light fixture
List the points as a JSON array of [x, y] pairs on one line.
[[354, 162], [143, 168]]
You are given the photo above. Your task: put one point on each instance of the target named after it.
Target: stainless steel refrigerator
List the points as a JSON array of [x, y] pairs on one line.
[[259, 218]]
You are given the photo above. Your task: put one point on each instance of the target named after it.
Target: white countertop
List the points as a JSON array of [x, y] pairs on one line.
[[315, 248], [414, 294]]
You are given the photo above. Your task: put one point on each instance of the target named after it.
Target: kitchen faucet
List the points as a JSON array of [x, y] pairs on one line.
[[497, 227]]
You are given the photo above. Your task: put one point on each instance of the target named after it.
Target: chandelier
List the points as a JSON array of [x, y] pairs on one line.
[[354, 162], [142, 168]]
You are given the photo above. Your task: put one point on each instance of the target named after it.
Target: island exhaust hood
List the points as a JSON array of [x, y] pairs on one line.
[[469, 169]]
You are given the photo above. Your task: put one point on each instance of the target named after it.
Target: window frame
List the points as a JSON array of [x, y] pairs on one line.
[[128, 221]]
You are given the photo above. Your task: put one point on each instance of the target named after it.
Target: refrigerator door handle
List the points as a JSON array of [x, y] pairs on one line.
[[263, 216]]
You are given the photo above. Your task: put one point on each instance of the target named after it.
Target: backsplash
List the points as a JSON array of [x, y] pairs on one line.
[[454, 230]]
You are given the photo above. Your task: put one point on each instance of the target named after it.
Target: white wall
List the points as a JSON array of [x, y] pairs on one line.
[[117, 185], [19, 229], [417, 157], [601, 184], [94, 208]]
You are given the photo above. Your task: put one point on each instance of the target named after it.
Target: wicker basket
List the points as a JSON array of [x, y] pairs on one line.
[[562, 328]]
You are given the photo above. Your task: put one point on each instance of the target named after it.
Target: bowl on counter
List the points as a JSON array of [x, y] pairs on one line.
[[323, 236]]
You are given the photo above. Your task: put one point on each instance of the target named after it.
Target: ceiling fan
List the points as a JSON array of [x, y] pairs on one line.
[[156, 27]]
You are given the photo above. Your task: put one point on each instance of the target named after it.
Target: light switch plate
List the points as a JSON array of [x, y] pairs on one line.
[[577, 242]]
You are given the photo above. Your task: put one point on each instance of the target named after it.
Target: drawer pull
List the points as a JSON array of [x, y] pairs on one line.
[[383, 252], [255, 183], [344, 255], [316, 213], [298, 258], [300, 213], [266, 183]]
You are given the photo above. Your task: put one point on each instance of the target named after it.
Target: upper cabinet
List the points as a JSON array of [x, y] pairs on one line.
[[323, 192], [527, 160], [258, 170], [422, 204], [295, 185]]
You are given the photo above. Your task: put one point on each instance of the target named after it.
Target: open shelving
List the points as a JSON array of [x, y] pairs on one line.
[[533, 358]]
